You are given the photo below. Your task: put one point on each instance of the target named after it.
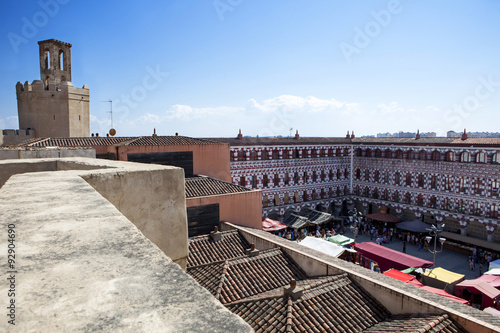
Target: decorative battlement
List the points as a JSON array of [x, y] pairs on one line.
[[10, 137], [38, 85], [54, 41]]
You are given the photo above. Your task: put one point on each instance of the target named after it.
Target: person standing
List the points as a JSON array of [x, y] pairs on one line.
[[471, 263], [404, 247]]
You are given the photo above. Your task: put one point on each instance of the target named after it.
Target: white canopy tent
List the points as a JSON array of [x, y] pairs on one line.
[[494, 271], [495, 264], [322, 245]]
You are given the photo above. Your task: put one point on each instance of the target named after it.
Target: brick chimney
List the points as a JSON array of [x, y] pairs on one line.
[[293, 291], [418, 135], [347, 135], [240, 136], [154, 131], [464, 135], [352, 135], [216, 235], [297, 134], [252, 251]]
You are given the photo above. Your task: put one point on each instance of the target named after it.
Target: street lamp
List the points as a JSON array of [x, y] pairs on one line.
[[434, 232]]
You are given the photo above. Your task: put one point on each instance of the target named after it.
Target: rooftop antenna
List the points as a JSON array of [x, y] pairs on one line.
[[112, 131], [291, 130]]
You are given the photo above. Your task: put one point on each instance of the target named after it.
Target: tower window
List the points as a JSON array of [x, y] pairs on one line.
[[47, 59], [54, 117], [61, 60]]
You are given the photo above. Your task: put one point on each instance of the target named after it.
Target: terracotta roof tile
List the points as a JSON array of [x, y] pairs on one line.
[[337, 304], [75, 142], [247, 276], [417, 323], [203, 250], [205, 186], [109, 141], [170, 140], [282, 141]]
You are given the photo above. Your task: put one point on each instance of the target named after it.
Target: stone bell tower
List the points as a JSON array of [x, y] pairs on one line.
[[55, 61], [52, 106]]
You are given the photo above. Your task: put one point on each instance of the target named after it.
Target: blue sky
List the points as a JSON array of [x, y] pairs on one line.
[[208, 68]]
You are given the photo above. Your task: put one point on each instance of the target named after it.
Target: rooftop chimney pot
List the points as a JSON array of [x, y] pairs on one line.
[[252, 251], [216, 235]]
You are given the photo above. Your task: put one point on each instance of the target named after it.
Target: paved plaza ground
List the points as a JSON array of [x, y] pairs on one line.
[[450, 260]]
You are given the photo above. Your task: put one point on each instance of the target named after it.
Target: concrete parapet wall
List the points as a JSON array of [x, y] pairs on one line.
[[27, 153], [150, 196], [81, 265], [158, 209], [396, 296]]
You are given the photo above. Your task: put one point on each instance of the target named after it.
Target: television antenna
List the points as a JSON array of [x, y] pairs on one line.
[[112, 131]]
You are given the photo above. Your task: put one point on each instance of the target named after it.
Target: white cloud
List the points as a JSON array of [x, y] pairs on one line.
[[10, 122], [186, 112], [292, 103], [312, 116]]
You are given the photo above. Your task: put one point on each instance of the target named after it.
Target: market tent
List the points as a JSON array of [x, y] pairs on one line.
[[383, 217], [442, 279], [492, 311], [398, 275], [295, 221], [414, 226], [388, 258], [494, 271], [317, 217], [495, 264], [490, 294], [322, 245], [408, 270], [492, 280], [416, 283], [340, 239], [272, 225], [445, 294]]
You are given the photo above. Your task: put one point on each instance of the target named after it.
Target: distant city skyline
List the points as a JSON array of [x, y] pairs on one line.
[[208, 69]]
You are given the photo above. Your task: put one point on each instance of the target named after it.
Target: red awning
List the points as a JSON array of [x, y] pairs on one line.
[[445, 294], [479, 287], [388, 258], [394, 273], [383, 217], [272, 225]]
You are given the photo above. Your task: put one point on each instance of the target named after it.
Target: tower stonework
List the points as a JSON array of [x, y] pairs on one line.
[[52, 106]]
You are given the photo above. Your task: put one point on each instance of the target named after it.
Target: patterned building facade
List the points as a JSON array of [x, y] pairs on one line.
[[454, 181]]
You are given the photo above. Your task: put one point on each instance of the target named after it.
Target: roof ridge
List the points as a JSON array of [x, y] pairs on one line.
[[201, 237], [222, 280], [289, 315], [206, 264]]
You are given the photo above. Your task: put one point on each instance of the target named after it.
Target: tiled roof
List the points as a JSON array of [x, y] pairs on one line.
[[170, 140], [74, 142], [439, 141], [282, 141], [109, 141], [393, 283], [247, 276], [417, 323], [428, 141], [209, 275], [203, 250], [335, 304], [205, 186]]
